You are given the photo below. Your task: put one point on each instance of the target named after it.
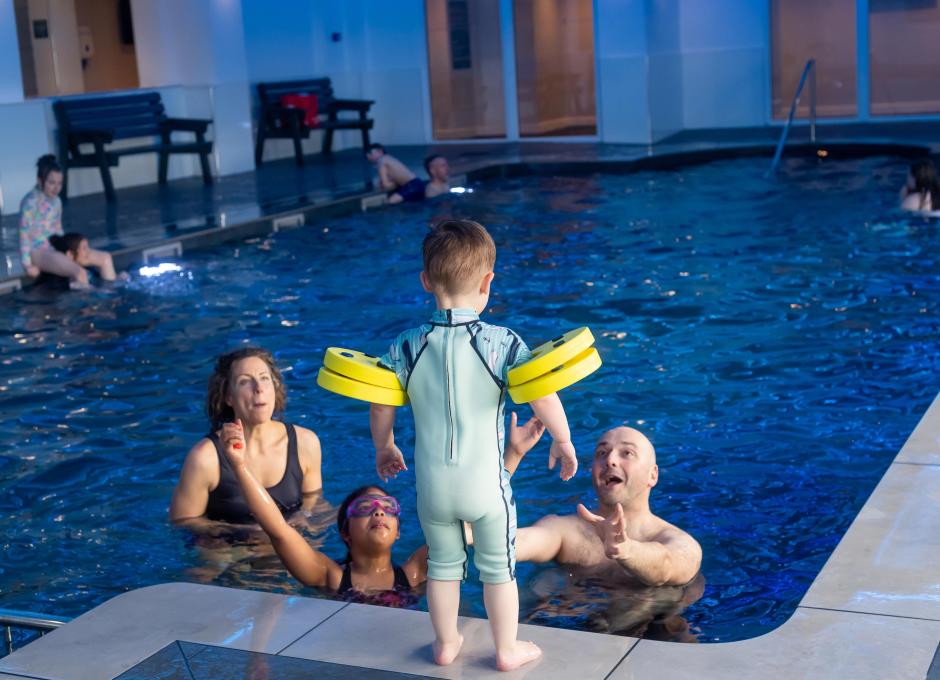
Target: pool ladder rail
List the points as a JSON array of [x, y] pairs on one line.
[[11, 618], [809, 71]]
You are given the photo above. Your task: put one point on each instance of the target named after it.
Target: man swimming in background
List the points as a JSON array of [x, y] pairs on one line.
[[439, 172], [625, 541], [395, 179]]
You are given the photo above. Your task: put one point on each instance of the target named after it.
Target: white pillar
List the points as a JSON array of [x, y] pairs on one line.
[[620, 45], [11, 77]]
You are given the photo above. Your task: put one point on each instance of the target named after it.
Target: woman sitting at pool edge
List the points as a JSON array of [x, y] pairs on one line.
[[40, 218], [369, 522], [247, 385], [921, 192]]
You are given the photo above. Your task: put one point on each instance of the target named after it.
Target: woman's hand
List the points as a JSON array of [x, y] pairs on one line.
[[32, 270], [233, 442]]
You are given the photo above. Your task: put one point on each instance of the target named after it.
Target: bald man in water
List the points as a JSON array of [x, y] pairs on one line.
[[624, 539]]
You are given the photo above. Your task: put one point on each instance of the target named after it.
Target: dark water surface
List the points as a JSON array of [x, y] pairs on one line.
[[776, 338]]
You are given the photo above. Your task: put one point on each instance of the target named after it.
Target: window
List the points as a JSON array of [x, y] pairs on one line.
[[904, 49], [823, 30]]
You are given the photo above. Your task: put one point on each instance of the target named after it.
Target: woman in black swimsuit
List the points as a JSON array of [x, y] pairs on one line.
[[368, 521], [247, 385]]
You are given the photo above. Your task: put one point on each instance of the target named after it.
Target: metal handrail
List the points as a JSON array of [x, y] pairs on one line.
[[808, 71], [11, 618]]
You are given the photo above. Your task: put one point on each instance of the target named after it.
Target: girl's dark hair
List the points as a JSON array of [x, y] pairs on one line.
[[220, 412], [926, 183], [45, 165], [342, 521], [67, 242]]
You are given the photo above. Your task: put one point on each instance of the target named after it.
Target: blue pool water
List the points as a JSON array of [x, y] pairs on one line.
[[776, 338]]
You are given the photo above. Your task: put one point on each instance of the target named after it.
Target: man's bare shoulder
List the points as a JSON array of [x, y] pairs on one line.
[[685, 550]]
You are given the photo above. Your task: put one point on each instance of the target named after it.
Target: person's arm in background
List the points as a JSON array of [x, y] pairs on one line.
[[521, 439], [416, 568], [309, 566]]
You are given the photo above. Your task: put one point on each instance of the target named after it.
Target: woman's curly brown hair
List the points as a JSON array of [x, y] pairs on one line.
[[218, 411]]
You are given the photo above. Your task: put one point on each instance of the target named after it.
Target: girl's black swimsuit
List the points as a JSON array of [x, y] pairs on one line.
[[400, 595]]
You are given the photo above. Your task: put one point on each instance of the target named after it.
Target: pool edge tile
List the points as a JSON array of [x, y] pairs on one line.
[[923, 445], [114, 636], [811, 644], [884, 563], [406, 639]]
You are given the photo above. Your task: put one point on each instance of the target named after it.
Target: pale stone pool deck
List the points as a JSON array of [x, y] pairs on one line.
[[872, 612]]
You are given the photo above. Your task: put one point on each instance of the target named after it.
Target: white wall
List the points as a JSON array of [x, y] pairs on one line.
[[725, 67], [24, 133], [665, 68], [11, 77], [620, 42], [396, 75]]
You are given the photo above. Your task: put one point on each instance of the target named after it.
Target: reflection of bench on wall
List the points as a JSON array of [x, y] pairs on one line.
[[280, 121], [97, 121]]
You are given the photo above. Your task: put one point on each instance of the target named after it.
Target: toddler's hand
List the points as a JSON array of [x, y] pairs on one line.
[[389, 462], [569, 460], [32, 270], [233, 439]]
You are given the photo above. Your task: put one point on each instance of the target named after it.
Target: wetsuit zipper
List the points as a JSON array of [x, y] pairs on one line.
[[448, 349]]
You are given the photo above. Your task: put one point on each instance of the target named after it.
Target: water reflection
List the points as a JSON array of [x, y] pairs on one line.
[[584, 599]]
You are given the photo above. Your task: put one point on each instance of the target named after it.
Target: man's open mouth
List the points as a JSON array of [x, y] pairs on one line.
[[610, 480]]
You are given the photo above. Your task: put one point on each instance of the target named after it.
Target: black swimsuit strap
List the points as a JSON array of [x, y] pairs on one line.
[[401, 580]]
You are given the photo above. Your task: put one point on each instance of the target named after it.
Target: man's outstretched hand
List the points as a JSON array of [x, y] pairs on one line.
[[612, 531]]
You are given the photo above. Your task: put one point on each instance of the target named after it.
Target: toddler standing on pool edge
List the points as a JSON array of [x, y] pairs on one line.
[[454, 370]]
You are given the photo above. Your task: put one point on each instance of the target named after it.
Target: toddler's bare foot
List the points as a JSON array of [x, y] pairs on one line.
[[446, 652], [521, 654]]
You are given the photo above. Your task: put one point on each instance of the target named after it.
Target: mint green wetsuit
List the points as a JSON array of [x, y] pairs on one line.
[[454, 370]]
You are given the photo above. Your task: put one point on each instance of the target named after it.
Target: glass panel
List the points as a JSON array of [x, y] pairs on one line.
[[904, 46], [555, 67], [465, 62], [820, 29]]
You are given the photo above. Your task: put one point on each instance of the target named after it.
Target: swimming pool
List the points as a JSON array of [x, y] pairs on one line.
[[776, 338]]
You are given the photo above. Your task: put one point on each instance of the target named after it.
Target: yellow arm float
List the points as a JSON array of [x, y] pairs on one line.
[[360, 366], [551, 355], [558, 378], [376, 394]]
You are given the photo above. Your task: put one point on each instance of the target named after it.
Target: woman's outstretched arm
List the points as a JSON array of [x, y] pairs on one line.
[[309, 566]]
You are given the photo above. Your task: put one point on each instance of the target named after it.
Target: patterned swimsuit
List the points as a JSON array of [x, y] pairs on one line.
[[40, 218]]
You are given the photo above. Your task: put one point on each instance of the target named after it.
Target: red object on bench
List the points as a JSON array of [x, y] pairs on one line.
[[307, 103]]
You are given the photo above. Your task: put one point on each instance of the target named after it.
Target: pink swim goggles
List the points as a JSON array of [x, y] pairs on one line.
[[363, 506]]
